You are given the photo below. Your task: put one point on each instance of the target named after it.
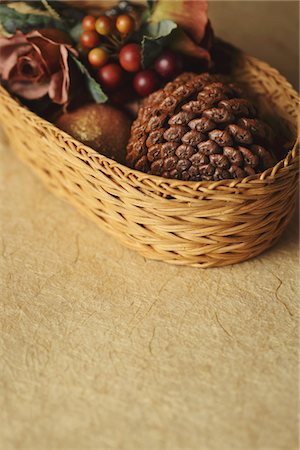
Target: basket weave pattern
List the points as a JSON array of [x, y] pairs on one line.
[[201, 224]]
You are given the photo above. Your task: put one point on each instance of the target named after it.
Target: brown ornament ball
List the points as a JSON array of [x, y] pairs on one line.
[[199, 128], [102, 127]]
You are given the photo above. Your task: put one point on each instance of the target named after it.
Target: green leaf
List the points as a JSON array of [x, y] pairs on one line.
[[75, 32], [12, 20], [155, 37], [93, 87], [157, 30]]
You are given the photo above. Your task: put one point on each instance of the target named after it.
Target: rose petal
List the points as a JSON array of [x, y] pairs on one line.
[[47, 61], [29, 90], [35, 73], [48, 51], [60, 81], [44, 44], [10, 50]]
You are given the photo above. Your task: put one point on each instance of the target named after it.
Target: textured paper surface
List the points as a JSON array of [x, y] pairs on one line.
[[104, 350], [101, 349]]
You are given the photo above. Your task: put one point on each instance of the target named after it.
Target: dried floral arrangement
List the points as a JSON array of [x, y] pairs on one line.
[[111, 49], [56, 57]]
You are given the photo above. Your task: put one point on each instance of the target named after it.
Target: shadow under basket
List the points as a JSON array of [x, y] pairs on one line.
[[202, 224]]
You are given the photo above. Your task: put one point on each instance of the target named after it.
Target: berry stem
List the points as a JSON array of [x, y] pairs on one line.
[[114, 41]]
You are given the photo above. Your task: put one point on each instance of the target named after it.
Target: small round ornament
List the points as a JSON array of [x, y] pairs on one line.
[[102, 127]]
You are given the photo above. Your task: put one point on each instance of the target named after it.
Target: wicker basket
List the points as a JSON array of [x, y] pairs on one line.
[[200, 224]]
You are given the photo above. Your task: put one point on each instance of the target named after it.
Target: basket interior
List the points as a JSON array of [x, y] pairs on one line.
[[275, 98]]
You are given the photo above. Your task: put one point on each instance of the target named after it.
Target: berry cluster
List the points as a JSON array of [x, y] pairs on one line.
[[106, 42]]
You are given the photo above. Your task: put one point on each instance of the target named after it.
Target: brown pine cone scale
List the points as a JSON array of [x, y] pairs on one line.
[[199, 128]]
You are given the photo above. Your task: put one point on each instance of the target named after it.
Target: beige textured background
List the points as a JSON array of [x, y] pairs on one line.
[[101, 349]]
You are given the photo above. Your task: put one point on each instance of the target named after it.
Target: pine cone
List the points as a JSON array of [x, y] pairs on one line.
[[199, 128]]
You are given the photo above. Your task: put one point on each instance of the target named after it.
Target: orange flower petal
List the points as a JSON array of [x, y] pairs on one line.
[[191, 15]]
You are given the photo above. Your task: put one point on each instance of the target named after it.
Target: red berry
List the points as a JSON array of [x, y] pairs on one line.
[[145, 82], [125, 24], [167, 64], [111, 76], [104, 25], [89, 39], [88, 23], [130, 57], [97, 57]]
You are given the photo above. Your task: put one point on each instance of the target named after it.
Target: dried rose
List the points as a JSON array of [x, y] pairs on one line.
[[36, 64]]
